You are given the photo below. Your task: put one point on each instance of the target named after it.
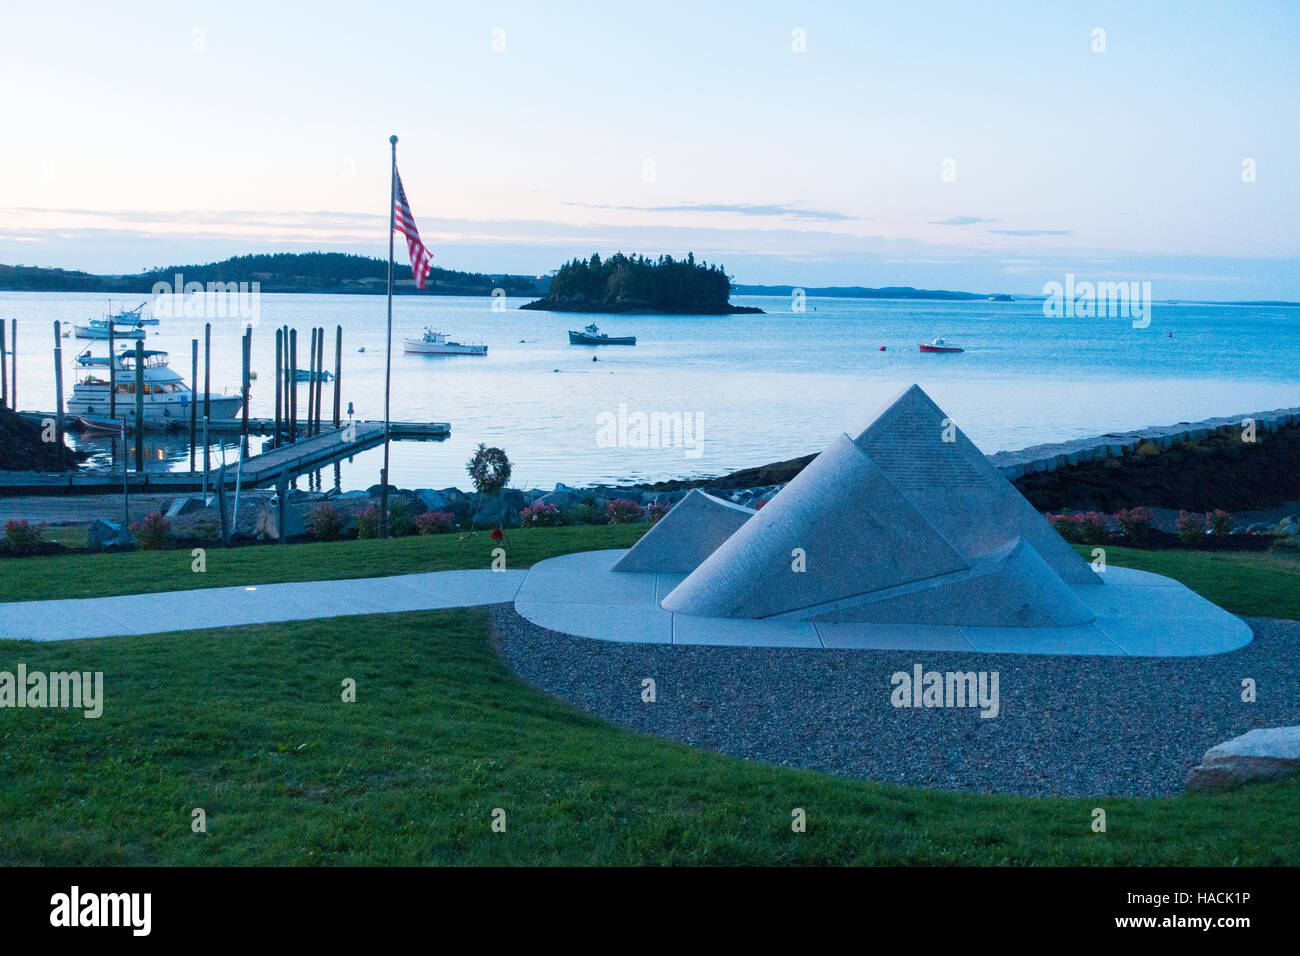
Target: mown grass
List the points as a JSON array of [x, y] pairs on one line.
[[137, 572], [1254, 584], [248, 724], [1249, 583]]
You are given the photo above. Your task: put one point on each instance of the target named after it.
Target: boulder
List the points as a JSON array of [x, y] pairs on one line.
[[561, 499], [457, 501], [374, 491], [430, 500], [183, 506], [497, 510], [104, 535], [1262, 754], [268, 522]]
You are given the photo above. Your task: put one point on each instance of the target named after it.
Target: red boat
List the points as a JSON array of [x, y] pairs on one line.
[[939, 345]]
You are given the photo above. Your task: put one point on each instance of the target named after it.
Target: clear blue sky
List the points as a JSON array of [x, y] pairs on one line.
[[147, 134]]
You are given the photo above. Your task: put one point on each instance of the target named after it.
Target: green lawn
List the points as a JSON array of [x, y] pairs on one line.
[[1254, 584], [248, 724], [99, 575]]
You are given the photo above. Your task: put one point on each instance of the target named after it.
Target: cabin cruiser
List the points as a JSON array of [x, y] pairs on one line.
[[167, 398], [435, 343], [939, 345]]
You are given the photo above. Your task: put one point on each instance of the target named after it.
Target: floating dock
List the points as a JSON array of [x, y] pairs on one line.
[[305, 455], [262, 426]]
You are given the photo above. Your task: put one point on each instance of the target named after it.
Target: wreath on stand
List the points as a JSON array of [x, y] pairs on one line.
[[489, 470]]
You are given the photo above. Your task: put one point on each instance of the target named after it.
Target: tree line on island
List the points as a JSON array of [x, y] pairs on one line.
[[634, 283]]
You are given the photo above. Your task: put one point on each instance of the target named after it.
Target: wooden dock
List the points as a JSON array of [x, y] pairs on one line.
[[265, 426], [306, 455]]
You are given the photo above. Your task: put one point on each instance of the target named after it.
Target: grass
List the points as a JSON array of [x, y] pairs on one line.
[[248, 724], [101, 575], [1250, 583]]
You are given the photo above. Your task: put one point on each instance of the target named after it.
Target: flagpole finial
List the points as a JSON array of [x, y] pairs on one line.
[[393, 140]]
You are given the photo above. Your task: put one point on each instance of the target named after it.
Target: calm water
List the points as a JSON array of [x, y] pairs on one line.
[[759, 387]]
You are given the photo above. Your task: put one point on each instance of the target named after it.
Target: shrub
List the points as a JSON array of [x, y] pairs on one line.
[[399, 522], [622, 511], [326, 523], [1191, 528], [656, 512], [1136, 523], [540, 515], [154, 533], [435, 522], [368, 522], [22, 537], [1067, 526], [1220, 521], [585, 514], [1092, 528]]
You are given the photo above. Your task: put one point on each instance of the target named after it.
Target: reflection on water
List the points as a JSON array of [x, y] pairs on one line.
[[759, 388]]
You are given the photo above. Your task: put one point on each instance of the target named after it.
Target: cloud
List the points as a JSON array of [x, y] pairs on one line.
[[1031, 232], [961, 221], [791, 210]]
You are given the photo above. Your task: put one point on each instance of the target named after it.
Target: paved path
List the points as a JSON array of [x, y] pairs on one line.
[[259, 604]]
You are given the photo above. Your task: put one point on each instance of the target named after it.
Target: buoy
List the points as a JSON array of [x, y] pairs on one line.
[[882, 348], [593, 358]]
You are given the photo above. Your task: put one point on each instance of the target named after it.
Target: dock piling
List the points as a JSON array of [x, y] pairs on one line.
[[4, 368], [58, 390], [13, 364], [313, 383], [207, 390], [320, 368], [338, 374], [293, 386], [139, 405], [279, 378], [194, 406], [246, 356], [112, 376]]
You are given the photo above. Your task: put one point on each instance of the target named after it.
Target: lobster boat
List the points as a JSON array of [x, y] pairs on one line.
[[592, 335], [939, 345]]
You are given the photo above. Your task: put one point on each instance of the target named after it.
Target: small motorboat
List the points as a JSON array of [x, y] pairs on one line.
[[305, 375], [98, 329], [939, 345], [593, 336], [436, 343], [105, 426]]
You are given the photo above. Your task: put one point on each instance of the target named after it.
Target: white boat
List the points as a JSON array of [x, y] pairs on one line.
[[167, 398], [98, 329], [436, 343]]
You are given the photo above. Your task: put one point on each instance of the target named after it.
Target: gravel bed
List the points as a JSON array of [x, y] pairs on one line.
[[1069, 726]]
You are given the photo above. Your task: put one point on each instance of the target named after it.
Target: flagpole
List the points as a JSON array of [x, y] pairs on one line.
[[388, 353]]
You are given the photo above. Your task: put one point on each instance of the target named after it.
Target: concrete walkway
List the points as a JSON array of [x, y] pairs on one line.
[[256, 604]]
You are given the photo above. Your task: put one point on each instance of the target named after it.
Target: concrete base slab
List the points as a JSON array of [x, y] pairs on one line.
[[733, 632], [1138, 614], [635, 625], [893, 637]]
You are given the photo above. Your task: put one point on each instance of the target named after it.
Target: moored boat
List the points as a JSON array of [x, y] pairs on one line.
[[98, 329], [437, 343], [167, 398], [939, 345], [593, 336]]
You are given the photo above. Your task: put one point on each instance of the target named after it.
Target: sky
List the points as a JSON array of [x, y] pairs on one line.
[[985, 147]]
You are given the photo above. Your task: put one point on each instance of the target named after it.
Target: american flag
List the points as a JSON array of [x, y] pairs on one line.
[[421, 257]]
